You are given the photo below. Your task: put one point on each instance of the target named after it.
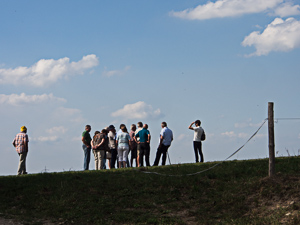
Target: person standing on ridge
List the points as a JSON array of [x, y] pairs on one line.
[[20, 142], [199, 136], [86, 146], [166, 137]]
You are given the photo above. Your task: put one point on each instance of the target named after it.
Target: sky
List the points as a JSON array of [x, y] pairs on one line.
[[65, 64]]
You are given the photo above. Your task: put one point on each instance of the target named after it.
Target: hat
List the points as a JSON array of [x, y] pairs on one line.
[[111, 127], [23, 129]]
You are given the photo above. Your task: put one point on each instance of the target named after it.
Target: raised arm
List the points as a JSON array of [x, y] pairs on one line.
[[191, 126]]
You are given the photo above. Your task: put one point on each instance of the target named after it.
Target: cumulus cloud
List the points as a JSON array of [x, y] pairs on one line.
[[138, 110], [287, 9], [23, 99], [226, 8], [112, 73], [280, 35], [47, 71]]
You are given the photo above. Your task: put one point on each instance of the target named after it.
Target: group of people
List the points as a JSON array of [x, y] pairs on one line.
[[112, 146], [109, 145]]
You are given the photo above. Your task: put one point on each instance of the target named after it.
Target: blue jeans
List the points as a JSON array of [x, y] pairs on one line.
[[198, 148], [87, 157]]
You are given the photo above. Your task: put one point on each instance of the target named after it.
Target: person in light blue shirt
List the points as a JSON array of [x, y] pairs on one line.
[[165, 140], [123, 142]]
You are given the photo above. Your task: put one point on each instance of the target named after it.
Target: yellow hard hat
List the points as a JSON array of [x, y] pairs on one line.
[[23, 129]]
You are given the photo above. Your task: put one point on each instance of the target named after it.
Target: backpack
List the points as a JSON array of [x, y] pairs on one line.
[[203, 136]]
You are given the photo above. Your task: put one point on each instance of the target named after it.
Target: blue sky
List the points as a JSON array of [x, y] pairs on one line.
[[65, 64]]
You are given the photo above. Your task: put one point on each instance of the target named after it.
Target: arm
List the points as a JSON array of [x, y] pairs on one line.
[[92, 144], [26, 144], [149, 138], [160, 141], [102, 141], [191, 126], [84, 142]]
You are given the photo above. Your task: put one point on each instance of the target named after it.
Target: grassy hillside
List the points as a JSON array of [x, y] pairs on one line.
[[234, 192]]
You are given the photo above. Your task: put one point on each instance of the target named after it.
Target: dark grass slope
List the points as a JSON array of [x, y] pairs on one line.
[[234, 192]]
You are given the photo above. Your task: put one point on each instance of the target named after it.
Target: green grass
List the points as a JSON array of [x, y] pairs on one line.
[[234, 192]]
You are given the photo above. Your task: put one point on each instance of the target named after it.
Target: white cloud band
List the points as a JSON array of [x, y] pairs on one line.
[[46, 71], [138, 110], [23, 99]]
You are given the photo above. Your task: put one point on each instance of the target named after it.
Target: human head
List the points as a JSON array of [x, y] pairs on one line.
[[111, 127], [122, 125], [124, 129], [88, 128], [163, 124], [23, 129], [133, 127], [104, 131], [140, 124], [197, 122], [96, 132], [145, 126]]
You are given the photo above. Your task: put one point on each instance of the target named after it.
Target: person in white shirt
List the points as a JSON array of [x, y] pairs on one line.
[[198, 131], [166, 137]]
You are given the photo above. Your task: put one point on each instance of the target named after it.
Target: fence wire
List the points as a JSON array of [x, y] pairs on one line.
[[202, 171]]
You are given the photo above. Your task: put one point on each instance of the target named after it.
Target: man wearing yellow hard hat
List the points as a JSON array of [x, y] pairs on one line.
[[21, 144]]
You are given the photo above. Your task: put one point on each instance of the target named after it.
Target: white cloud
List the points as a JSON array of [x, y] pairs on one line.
[[55, 130], [138, 110], [243, 135], [181, 137], [70, 114], [287, 9], [46, 71], [46, 139], [226, 8], [280, 35], [230, 134], [116, 72], [246, 124], [23, 99]]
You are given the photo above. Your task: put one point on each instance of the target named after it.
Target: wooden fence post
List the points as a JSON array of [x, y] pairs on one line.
[[271, 139]]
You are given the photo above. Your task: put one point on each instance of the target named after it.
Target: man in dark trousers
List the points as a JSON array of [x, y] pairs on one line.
[[166, 137], [144, 145]]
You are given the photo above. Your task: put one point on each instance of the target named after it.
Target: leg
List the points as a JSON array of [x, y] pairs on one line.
[[138, 155], [120, 156], [195, 151], [87, 153], [102, 159], [125, 156], [157, 158], [96, 159], [22, 163], [147, 155], [114, 154], [141, 155], [164, 152], [200, 152]]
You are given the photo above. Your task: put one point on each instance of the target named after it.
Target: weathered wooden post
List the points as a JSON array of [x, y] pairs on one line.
[[271, 139]]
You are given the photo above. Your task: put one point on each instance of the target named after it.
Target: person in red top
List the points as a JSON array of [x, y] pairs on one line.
[[21, 144]]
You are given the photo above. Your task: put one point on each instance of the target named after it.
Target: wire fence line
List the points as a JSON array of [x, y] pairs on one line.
[[202, 171]]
